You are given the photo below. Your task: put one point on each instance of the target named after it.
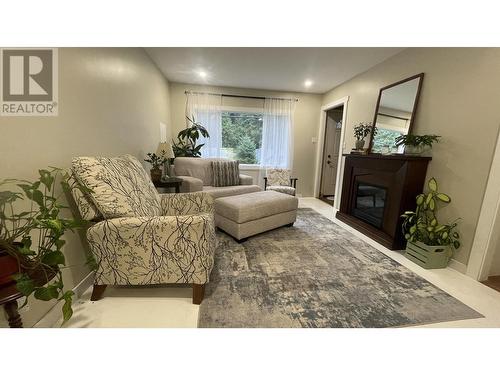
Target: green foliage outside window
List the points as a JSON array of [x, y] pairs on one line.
[[245, 151], [242, 135]]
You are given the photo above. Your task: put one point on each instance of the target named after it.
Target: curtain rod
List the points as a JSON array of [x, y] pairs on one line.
[[238, 96]]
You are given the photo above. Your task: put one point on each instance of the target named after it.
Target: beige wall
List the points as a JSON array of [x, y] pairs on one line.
[[306, 121], [459, 101], [111, 101]]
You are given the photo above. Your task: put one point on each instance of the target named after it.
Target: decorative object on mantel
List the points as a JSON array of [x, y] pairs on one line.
[[31, 241], [187, 138], [363, 151], [417, 144], [157, 163], [360, 132], [165, 149], [429, 243]]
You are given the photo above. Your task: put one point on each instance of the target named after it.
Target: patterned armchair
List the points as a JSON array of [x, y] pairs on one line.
[[280, 180], [141, 237]]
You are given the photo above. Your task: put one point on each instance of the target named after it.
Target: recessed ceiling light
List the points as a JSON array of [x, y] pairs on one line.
[[202, 74], [308, 83]]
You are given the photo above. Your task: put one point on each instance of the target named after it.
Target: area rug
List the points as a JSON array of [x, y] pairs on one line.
[[317, 274]]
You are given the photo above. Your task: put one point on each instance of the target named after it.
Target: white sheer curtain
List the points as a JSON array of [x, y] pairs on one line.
[[206, 109], [277, 133]]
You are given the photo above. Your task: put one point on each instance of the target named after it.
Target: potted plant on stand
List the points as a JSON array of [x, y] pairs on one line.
[[416, 144], [157, 162], [187, 138], [31, 237], [360, 132], [429, 243]]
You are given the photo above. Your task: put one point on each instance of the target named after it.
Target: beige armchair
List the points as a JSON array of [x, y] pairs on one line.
[[141, 237], [280, 180]]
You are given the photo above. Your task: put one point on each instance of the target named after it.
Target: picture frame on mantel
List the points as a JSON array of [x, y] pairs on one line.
[[393, 94]]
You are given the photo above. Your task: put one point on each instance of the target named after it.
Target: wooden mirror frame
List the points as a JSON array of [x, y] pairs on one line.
[[415, 104]]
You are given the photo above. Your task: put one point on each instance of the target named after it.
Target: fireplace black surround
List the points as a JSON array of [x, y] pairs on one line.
[[376, 190]]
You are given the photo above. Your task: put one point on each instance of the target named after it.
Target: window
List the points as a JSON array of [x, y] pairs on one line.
[[242, 136]]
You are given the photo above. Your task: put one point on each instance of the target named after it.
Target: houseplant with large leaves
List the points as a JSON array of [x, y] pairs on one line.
[[429, 242], [32, 226], [187, 138]]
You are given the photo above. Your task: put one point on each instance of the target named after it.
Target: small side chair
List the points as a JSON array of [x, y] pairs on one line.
[[280, 180]]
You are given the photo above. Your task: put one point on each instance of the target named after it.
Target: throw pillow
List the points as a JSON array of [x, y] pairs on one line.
[[120, 186], [225, 173]]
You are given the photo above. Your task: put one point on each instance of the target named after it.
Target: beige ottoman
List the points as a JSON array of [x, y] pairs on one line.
[[245, 215]]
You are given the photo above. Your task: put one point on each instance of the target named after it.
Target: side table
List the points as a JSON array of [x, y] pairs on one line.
[[169, 182], [8, 298]]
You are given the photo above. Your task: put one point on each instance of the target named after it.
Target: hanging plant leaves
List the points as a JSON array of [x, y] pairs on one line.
[[420, 199], [432, 204], [433, 186], [443, 197]]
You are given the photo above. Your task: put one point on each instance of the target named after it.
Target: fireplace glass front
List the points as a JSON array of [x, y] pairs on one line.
[[370, 203]]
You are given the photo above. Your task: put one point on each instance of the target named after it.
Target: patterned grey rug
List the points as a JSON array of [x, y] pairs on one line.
[[317, 274]]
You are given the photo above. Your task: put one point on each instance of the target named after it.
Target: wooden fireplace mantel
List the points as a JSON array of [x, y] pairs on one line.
[[401, 176]]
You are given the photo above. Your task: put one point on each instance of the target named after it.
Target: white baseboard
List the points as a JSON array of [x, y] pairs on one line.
[[50, 319], [458, 266]]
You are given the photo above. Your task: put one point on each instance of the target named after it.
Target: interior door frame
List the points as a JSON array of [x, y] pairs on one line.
[[485, 238], [320, 149]]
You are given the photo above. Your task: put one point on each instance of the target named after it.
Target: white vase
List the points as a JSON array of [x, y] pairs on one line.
[[413, 150], [360, 143]]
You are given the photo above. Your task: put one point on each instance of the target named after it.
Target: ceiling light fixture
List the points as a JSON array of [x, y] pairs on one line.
[[202, 74], [308, 83]]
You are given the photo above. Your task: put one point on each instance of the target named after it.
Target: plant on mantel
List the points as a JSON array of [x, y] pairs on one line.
[[425, 235], [187, 138], [416, 144], [31, 238], [361, 131]]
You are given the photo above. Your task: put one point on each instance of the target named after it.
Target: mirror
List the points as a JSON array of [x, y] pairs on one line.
[[395, 113]]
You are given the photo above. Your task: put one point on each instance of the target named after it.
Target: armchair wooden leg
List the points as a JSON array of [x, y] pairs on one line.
[[97, 292], [198, 293]]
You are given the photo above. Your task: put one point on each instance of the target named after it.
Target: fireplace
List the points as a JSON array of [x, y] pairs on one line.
[[376, 190], [369, 204]]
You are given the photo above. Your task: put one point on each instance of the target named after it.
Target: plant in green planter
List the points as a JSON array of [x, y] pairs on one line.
[[187, 138], [156, 162], [360, 133], [416, 144], [430, 243], [31, 237]]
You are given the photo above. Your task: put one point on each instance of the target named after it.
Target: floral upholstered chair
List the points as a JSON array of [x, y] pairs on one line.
[[280, 180], [140, 237]]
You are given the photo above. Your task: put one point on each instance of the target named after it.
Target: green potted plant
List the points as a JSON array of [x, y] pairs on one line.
[[31, 237], [157, 162], [187, 138], [416, 144], [360, 132], [429, 243]]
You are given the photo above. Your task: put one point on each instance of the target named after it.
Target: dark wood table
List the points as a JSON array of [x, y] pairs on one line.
[[170, 182], [8, 298]]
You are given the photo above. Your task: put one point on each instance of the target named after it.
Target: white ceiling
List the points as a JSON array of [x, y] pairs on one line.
[[281, 69]]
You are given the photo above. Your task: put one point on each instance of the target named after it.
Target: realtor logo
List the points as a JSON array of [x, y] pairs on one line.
[[28, 82]]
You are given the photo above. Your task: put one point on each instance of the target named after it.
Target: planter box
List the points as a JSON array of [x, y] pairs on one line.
[[428, 257]]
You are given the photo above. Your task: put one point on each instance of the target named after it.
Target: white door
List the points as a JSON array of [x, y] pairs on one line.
[[330, 156]]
